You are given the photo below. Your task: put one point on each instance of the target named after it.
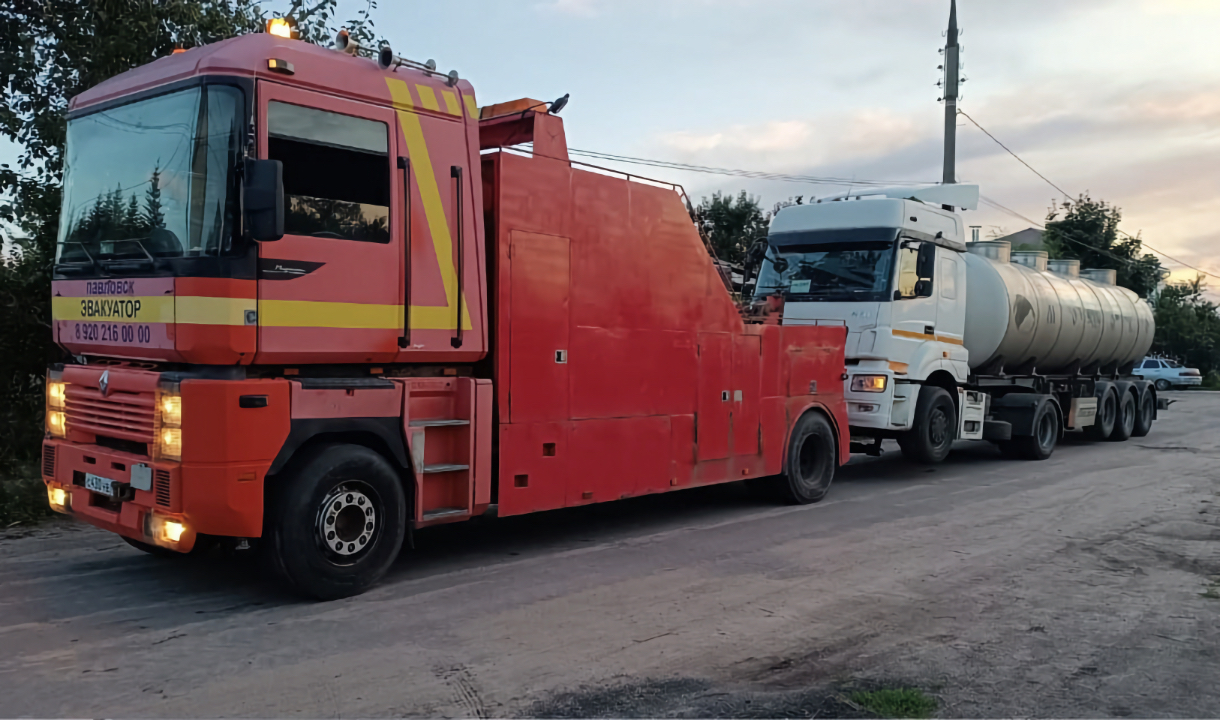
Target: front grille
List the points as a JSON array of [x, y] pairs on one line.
[[48, 461], [161, 488], [122, 415]]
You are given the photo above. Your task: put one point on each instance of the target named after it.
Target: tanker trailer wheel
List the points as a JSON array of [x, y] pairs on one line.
[[1107, 415], [1041, 444], [812, 457], [336, 522], [1146, 414], [935, 428], [1124, 423]]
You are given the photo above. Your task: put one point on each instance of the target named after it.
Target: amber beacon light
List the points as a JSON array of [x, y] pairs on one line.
[[284, 27]]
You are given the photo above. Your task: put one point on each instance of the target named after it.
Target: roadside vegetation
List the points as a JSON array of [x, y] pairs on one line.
[[23, 498], [895, 702]]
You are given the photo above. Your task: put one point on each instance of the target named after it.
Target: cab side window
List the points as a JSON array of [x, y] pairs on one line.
[[916, 268], [336, 173]]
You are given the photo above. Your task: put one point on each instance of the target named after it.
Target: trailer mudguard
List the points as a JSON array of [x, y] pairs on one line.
[[1019, 411]]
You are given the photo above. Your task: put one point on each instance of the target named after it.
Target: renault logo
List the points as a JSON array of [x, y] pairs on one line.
[[103, 384]]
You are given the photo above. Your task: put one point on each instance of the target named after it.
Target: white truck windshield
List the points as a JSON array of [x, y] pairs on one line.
[[832, 265]]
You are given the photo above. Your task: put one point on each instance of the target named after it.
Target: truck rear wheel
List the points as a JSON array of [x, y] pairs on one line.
[[810, 467], [1145, 414], [1107, 415], [1124, 423], [931, 438], [336, 522]]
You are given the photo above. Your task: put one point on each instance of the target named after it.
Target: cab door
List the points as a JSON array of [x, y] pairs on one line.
[[330, 291], [914, 311]]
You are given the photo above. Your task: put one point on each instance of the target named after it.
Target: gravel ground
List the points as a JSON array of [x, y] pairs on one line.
[[1076, 587]]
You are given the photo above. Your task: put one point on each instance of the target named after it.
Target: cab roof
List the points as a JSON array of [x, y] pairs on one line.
[[314, 67]]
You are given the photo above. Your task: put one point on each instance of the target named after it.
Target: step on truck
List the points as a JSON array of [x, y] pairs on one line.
[[951, 340], [317, 303]]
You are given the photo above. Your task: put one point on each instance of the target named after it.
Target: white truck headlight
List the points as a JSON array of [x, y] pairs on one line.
[[869, 383]]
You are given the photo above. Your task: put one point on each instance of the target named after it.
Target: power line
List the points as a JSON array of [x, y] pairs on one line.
[[1068, 195], [731, 172]]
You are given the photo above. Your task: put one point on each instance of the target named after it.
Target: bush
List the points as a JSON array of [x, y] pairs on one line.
[[23, 499], [1212, 381]]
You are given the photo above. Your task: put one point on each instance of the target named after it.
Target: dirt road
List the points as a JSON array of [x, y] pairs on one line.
[[1073, 587]]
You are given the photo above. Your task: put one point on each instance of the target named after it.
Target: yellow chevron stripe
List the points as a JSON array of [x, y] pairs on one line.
[[451, 103], [472, 107], [434, 209], [427, 98]]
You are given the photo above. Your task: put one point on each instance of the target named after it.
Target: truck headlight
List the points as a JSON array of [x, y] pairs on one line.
[[169, 444], [169, 423], [57, 398], [869, 383]]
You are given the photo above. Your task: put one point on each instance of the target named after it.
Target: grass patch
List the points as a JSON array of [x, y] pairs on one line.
[[23, 498], [895, 702]]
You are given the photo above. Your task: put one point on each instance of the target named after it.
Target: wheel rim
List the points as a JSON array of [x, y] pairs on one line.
[[938, 428], [347, 522], [1046, 430], [1162, 384]]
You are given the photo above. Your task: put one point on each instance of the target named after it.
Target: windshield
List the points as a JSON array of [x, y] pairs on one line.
[[153, 178], [831, 265]]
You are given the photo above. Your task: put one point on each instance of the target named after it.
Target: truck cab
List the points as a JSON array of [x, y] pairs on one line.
[[888, 265]]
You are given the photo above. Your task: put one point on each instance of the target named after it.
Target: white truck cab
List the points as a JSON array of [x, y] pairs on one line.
[[888, 264]]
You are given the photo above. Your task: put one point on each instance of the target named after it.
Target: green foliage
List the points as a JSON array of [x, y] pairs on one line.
[[732, 224], [895, 703], [23, 498], [1087, 230], [51, 50], [1188, 327]]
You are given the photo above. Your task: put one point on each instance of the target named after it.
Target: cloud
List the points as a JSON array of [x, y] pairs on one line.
[[580, 8]]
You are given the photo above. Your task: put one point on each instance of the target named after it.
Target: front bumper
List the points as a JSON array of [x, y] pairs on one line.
[[141, 515]]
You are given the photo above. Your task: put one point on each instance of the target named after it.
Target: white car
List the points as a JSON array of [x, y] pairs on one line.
[[1166, 374]]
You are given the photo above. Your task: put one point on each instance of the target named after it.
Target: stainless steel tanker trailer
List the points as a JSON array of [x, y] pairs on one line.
[[949, 340]]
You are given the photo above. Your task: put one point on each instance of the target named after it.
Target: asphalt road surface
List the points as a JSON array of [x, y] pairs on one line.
[[1073, 587]]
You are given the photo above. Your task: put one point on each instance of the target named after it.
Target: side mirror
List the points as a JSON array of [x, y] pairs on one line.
[[923, 288], [263, 200], [925, 265]]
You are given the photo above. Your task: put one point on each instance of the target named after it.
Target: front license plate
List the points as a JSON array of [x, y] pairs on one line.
[[99, 484]]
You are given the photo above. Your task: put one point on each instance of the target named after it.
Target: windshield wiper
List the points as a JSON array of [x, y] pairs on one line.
[[139, 262], [72, 267]]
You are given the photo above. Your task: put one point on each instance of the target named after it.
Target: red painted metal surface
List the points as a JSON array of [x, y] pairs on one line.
[[662, 386]]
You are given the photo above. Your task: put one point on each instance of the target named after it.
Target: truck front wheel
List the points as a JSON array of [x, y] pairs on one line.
[[336, 522], [931, 438]]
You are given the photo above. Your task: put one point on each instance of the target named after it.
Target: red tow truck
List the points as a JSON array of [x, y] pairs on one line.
[[317, 302]]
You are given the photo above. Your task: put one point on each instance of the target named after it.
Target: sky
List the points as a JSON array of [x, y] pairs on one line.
[[1116, 98]]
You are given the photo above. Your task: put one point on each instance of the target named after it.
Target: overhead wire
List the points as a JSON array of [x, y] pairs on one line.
[[1068, 195]]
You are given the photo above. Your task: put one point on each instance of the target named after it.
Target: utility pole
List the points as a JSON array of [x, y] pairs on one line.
[[952, 78]]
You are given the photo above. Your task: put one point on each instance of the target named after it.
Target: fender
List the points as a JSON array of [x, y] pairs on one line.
[[1020, 409]]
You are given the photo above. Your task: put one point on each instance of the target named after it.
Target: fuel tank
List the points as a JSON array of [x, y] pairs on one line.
[[1022, 319]]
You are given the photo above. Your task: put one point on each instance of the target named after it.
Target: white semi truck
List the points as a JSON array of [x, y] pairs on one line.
[[949, 340]]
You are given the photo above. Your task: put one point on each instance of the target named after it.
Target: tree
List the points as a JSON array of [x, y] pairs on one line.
[[731, 224], [1187, 326], [1087, 230], [51, 50]]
